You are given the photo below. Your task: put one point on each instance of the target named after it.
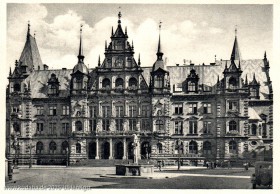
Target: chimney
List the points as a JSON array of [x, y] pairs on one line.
[[46, 67]]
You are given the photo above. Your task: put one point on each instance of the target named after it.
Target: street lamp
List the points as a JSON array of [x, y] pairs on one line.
[[30, 147], [67, 157]]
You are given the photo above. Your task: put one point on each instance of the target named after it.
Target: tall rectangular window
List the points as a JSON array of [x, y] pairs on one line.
[[207, 127], [132, 124], [178, 108], [132, 111], [119, 124], [40, 128], [233, 105], [53, 110], [193, 108], [192, 127], [52, 128], [40, 110], [145, 125], [65, 110], [15, 109], [106, 124], [179, 127], [106, 111], [119, 111], [207, 108], [145, 110], [65, 128]]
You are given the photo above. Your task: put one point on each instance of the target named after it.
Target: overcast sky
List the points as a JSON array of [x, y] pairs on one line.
[[191, 32]]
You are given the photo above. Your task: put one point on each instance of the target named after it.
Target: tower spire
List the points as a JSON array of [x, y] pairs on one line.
[[264, 54], [235, 54], [112, 33], [81, 56], [139, 61], [99, 61], [119, 16], [159, 52], [28, 29]]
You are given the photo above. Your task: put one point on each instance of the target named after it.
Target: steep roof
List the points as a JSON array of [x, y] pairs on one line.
[[235, 54]]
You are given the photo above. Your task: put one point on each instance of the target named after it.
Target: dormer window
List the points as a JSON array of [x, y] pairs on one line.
[[191, 86], [53, 85], [158, 81], [192, 81], [17, 87], [78, 84], [254, 89], [232, 83]]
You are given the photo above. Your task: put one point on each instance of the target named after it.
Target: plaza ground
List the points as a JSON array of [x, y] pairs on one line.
[[99, 177]]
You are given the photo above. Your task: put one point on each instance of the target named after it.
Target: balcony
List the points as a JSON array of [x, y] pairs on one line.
[[232, 133]]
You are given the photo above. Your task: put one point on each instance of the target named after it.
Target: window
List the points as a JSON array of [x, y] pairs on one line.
[[52, 147], [193, 108], [145, 124], [105, 124], [159, 125], [158, 81], [52, 89], [179, 147], [40, 110], [232, 147], [53, 110], [178, 108], [15, 109], [16, 127], [64, 147], [145, 110], [65, 128], [207, 108], [78, 84], [192, 127], [191, 86], [232, 126], [52, 128], [39, 147], [17, 87], [159, 148], [179, 127], [232, 83], [92, 125], [233, 105], [119, 124], [78, 126], [254, 129], [207, 127], [92, 111], [40, 128], [65, 110], [132, 124], [119, 83], [206, 147], [132, 82], [78, 148], [106, 111], [132, 110], [253, 92], [119, 111], [106, 83], [193, 147], [264, 133]]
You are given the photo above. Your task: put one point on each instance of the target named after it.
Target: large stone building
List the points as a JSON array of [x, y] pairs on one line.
[[219, 111]]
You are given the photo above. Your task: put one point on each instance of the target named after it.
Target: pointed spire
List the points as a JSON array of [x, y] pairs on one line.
[[159, 53], [81, 56], [10, 71], [139, 61], [99, 61], [105, 45], [264, 55], [226, 66], [125, 30], [112, 33], [28, 30], [246, 80], [235, 54], [132, 45]]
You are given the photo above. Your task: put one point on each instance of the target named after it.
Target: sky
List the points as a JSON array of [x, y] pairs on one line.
[[189, 32]]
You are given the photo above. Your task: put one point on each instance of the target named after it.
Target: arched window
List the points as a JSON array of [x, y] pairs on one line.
[[159, 125], [106, 83], [232, 126], [158, 81], [119, 83], [254, 129], [52, 147], [232, 147], [39, 147], [159, 148], [132, 82], [79, 126], [17, 87], [16, 128], [207, 147], [64, 147], [78, 148], [232, 83], [193, 147]]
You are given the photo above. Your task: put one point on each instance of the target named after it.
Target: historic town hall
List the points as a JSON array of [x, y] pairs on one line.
[[221, 111]]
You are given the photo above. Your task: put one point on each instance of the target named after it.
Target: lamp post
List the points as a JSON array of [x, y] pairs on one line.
[[67, 150], [30, 147]]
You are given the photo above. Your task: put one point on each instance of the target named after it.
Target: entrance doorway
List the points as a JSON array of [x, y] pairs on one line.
[[92, 150], [119, 150], [145, 150], [106, 150]]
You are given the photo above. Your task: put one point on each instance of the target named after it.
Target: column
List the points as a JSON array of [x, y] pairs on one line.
[[111, 149], [124, 149], [97, 149]]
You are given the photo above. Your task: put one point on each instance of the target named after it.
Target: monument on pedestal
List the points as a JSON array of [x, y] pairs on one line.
[[134, 169]]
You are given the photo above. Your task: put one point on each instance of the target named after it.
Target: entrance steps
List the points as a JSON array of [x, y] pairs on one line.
[[109, 163]]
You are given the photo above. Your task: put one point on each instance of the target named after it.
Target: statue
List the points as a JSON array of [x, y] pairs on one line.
[[135, 146]]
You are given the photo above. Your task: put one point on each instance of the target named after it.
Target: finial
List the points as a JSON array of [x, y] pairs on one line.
[[215, 57], [105, 44], [132, 45], [80, 56], [239, 67], [226, 65], [99, 61], [10, 71], [235, 30], [28, 29], [159, 25], [264, 54], [218, 80], [246, 80], [34, 33], [125, 30], [139, 62], [119, 15], [112, 33], [159, 53], [16, 63]]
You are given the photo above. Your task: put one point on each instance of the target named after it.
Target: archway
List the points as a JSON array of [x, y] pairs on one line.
[[92, 150], [130, 150], [106, 150], [145, 150], [119, 150]]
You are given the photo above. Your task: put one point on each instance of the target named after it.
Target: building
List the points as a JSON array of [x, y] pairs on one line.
[[222, 111]]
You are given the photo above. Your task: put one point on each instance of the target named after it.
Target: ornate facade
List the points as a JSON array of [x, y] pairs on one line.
[[221, 111]]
